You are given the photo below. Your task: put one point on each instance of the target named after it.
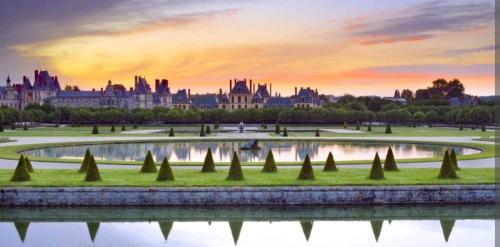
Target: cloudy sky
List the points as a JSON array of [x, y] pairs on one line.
[[361, 47]]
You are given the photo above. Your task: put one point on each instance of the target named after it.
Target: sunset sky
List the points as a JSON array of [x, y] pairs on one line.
[[361, 47]]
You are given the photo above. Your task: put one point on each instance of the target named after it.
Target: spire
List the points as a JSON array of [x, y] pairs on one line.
[[8, 79]]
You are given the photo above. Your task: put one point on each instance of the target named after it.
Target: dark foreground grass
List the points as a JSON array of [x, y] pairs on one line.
[[253, 177]]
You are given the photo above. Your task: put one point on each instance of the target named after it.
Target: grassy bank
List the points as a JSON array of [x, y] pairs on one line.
[[253, 177]]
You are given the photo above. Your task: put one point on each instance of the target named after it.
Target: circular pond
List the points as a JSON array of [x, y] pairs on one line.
[[222, 150]]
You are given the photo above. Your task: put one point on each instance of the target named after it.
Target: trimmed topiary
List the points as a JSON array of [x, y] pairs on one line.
[[453, 157], [285, 133], [483, 128], [95, 130], [376, 172], [473, 127], [202, 130], [369, 127], [166, 173], [317, 133], [135, 126], [22, 229], [345, 125], [208, 163], [270, 165], [21, 173], [447, 169], [124, 128], [93, 174], [85, 164], [207, 130], [29, 166], [388, 129], [390, 162], [235, 171], [171, 132], [306, 172], [149, 165], [93, 228], [307, 228], [330, 165], [25, 127], [357, 126], [235, 227], [1, 127], [447, 227], [13, 126], [216, 125], [461, 127], [376, 228], [277, 129], [112, 128]]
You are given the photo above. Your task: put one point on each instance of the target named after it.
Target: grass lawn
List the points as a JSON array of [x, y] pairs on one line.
[[253, 177]]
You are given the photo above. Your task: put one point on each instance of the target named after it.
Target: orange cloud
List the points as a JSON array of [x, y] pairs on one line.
[[376, 40]]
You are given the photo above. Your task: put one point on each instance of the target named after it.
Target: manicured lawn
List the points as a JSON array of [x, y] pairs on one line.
[[253, 177]]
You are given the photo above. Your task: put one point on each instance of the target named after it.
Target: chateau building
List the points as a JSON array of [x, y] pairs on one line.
[[242, 95]]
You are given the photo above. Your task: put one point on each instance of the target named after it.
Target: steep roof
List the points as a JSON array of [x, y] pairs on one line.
[[307, 95], [142, 86], [279, 102], [78, 94], [262, 90], [181, 97], [240, 87], [205, 101], [45, 82]]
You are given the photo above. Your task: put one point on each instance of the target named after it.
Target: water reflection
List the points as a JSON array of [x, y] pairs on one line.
[[222, 151], [448, 225]]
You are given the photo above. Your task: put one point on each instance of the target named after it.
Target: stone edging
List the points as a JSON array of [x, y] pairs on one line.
[[279, 195]]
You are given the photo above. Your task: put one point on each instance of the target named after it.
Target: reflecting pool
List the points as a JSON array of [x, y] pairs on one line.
[[447, 225], [222, 150]]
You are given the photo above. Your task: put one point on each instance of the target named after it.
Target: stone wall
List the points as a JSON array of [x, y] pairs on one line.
[[314, 195]]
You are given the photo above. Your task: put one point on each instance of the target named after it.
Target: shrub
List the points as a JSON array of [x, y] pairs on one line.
[[388, 129], [95, 130], [453, 157], [85, 164], [483, 128], [285, 133], [330, 165], [171, 132], [112, 128], [317, 133], [25, 127], [461, 127], [21, 173], [390, 162], [345, 125], [264, 126], [235, 172], [165, 173], [135, 126], [473, 127], [12, 126], [277, 129], [29, 166], [207, 130], [124, 128], [1, 127], [306, 172], [208, 163], [216, 125], [447, 169], [357, 126], [307, 228], [93, 171], [369, 127], [376, 172], [430, 125], [202, 130], [149, 165], [270, 165]]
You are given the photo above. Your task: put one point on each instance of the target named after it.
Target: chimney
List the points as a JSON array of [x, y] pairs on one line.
[[231, 84], [36, 75], [270, 89], [93, 89], [295, 91], [167, 84], [135, 81], [189, 93], [157, 83], [102, 89], [220, 91], [131, 89]]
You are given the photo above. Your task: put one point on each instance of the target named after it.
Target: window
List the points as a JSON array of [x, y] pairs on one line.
[[256, 106], [239, 99]]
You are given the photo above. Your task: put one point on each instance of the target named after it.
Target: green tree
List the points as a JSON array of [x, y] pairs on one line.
[[306, 172], [21, 173], [166, 173], [29, 166], [453, 157], [357, 126], [390, 162], [235, 171], [330, 163], [149, 165], [124, 128], [202, 130], [369, 127], [376, 171], [388, 129], [317, 133], [85, 164], [277, 129], [95, 130], [208, 163], [447, 168], [171, 132], [345, 125], [270, 165], [93, 173], [112, 128], [207, 130], [285, 133]]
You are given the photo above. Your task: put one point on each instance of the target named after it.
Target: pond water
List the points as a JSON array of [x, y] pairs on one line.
[[447, 225], [222, 151]]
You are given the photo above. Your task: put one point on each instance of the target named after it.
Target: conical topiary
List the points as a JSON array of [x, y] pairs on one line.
[[483, 128], [166, 173], [306, 172], [21, 173], [235, 227], [165, 228], [208, 163], [376, 228], [390, 162], [202, 130], [1, 127], [453, 157], [171, 132], [285, 133], [376, 172], [357, 126], [317, 133], [93, 174], [330, 165], [235, 172], [270, 165], [207, 130], [95, 130], [22, 229], [447, 227], [461, 127], [149, 165], [447, 168], [369, 127], [277, 129], [307, 228], [29, 166], [25, 127], [135, 126], [93, 228], [112, 128], [124, 128], [85, 164], [388, 129], [345, 125]]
